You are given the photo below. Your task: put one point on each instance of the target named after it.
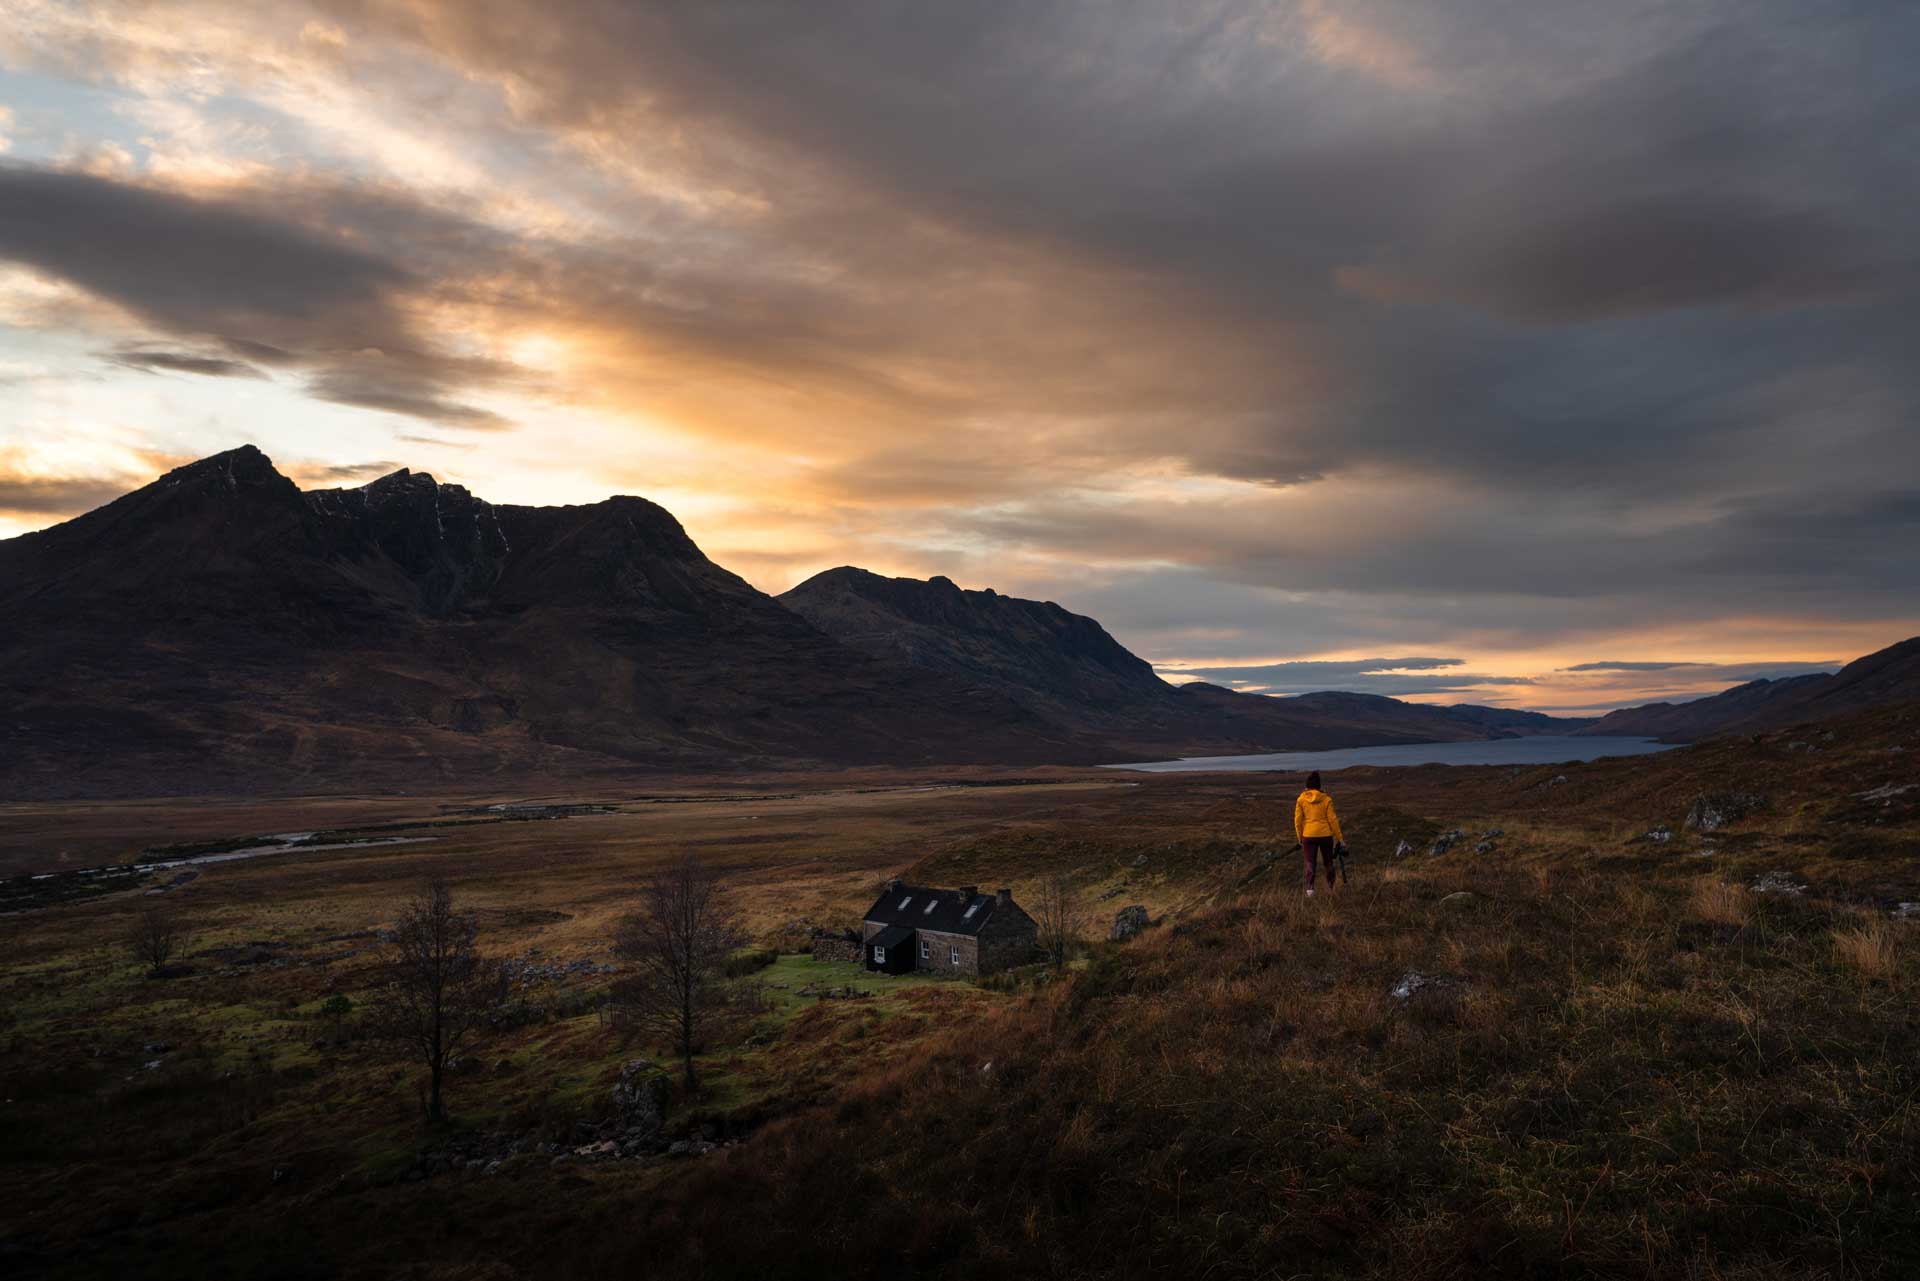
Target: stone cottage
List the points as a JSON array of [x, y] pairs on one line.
[[917, 928]]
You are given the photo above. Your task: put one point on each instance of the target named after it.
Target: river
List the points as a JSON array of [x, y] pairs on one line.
[[1541, 749]]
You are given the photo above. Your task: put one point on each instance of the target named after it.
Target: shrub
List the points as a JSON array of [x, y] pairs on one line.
[[741, 964]]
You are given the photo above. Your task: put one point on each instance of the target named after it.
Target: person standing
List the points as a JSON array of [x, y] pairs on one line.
[[1318, 828]]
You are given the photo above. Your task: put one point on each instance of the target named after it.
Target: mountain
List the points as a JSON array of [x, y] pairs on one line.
[[220, 630], [1886, 676], [1066, 669], [1511, 721], [1034, 651]]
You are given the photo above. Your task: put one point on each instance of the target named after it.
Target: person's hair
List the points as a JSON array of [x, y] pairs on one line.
[[1313, 780]]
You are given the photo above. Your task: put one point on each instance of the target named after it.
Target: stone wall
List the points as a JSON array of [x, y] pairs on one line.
[[829, 946], [940, 950], [1007, 939]]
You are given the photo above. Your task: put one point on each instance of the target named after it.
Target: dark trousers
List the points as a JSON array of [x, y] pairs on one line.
[[1322, 847]]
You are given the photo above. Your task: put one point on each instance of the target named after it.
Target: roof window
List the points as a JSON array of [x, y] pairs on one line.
[[970, 911], [931, 904], [903, 903]]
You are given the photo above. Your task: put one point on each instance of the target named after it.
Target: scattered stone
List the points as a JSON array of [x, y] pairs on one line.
[[1484, 847], [1907, 912], [1886, 793], [1493, 832], [1460, 898], [1777, 883], [1403, 849], [1712, 811], [1557, 780], [1445, 841], [156, 1047], [680, 1148], [1129, 922], [1413, 982], [1659, 835], [1140, 861], [153, 1065]]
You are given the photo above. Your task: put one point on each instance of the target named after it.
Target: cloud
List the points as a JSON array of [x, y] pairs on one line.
[[248, 275], [1389, 676], [57, 495], [319, 474], [183, 362], [1626, 667], [1251, 329]]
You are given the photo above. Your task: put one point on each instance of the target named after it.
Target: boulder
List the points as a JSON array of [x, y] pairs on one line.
[[1712, 811], [1445, 841], [640, 1098], [1128, 922], [1403, 849], [1413, 983], [1659, 835], [1777, 883]]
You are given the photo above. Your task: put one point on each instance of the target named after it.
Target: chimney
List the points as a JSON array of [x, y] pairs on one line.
[[967, 892], [1006, 897], [893, 883]]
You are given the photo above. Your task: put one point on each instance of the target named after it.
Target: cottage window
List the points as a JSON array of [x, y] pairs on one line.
[[955, 955], [926, 950], [879, 956]]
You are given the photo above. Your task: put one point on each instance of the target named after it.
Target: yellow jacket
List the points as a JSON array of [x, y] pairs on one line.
[[1313, 816]]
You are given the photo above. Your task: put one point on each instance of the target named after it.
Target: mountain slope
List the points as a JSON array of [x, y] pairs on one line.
[[219, 629], [1033, 650], [1885, 676], [1065, 668]]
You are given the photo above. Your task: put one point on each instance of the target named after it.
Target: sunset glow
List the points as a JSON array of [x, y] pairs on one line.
[[1305, 345]]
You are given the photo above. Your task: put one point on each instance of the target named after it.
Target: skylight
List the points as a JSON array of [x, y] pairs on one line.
[[970, 911], [903, 903], [931, 904]]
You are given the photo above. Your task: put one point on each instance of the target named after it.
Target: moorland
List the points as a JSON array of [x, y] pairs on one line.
[[1548, 1029]]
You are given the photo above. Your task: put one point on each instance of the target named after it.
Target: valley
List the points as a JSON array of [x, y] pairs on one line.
[[1595, 995]]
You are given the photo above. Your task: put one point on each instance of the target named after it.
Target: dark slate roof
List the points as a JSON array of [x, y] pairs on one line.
[[907, 905], [892, 936]]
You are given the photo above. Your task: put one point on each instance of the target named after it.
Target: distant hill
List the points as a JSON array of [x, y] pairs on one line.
[[219, 630], [1886, 676], [1067, 669]]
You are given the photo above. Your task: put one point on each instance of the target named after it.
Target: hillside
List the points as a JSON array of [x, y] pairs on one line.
[[1066, 669], [219, 630], [1886, 676], [1683, 1058]]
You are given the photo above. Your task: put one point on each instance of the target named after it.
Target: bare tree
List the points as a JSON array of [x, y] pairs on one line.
[[1057, 912], [676, 947], [155, 936], [439, 988]]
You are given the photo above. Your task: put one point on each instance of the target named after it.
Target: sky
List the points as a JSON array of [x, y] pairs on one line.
[[1538, 353]]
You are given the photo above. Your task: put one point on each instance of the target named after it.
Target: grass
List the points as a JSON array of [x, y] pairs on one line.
[[1629, 1065]]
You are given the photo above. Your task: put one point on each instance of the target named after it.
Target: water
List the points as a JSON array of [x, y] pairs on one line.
[[1541, 749]]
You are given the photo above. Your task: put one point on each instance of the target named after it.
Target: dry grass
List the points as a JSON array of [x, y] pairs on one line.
[[1720, 903], [1629, 1073], [1871, 950]]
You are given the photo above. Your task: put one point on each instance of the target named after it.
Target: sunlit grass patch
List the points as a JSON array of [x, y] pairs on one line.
[[1871, 950]]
